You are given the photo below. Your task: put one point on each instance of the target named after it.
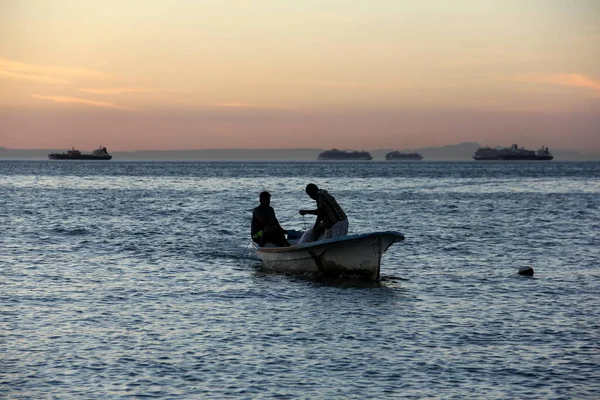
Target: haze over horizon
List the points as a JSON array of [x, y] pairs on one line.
[[176, 75]]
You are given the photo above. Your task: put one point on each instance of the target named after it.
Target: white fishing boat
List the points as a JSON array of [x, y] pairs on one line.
[[357, 255]]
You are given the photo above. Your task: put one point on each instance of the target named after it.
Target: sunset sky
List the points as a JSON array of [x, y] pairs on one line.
[[183, 74]]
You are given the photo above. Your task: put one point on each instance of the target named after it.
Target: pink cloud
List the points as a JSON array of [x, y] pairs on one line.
[[359, 129]]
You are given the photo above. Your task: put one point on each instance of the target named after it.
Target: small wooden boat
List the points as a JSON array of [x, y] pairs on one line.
[[358, 255]]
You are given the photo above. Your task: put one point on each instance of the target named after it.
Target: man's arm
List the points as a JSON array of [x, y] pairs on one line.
[[313, 212], [274, 220], [318, 220], [318, 212]]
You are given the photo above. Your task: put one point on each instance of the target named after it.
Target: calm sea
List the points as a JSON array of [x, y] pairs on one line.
[[134, 279]]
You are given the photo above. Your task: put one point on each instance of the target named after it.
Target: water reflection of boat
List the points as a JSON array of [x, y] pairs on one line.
[[99, 154], [335, 154], [398, 156], [358, 255], [512, 153]]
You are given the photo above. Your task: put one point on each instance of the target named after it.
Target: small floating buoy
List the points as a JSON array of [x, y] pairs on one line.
[[527, 271]]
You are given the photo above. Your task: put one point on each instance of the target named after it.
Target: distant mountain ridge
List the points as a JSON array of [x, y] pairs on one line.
[[453, 152]]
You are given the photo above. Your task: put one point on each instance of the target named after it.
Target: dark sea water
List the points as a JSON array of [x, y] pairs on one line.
[[134, 279]]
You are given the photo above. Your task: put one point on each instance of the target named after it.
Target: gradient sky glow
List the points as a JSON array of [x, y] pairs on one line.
[[183, 74]]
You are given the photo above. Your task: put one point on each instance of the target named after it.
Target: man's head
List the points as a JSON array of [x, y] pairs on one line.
[[312, 190], [265, 198]]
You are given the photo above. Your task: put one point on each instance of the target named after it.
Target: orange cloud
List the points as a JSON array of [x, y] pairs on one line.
[[495, 59], [75, 100], [247, 105], [572, 80], [48, 80], [49, 69], [49, 75], [120, 90], [576, 80]]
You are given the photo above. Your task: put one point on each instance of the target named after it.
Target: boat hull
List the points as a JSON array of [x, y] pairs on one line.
[[400, 158], [514, 158], [342, 155], [357, 255], [81, 157], [342, 158]]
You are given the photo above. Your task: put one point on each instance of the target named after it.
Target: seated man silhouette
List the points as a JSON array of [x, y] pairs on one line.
[[265, 227]]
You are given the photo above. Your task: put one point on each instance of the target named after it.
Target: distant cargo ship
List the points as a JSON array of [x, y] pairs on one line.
[[99, 154], [512, 153], [335, 154], [397, 156]]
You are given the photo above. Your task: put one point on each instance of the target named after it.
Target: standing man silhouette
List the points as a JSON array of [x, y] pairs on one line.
[[331, 219]]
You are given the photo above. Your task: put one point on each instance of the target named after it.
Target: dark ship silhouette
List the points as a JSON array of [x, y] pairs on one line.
[[335, 154], [99, 154], [398, 156], [512, 153]]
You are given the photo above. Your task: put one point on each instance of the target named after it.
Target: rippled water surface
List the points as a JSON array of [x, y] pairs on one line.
[[131, 279]]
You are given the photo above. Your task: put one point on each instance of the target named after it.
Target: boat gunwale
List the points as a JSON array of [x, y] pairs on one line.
[[337, 240]]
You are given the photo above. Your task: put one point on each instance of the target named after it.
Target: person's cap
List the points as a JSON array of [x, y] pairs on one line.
[[264, 195]]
